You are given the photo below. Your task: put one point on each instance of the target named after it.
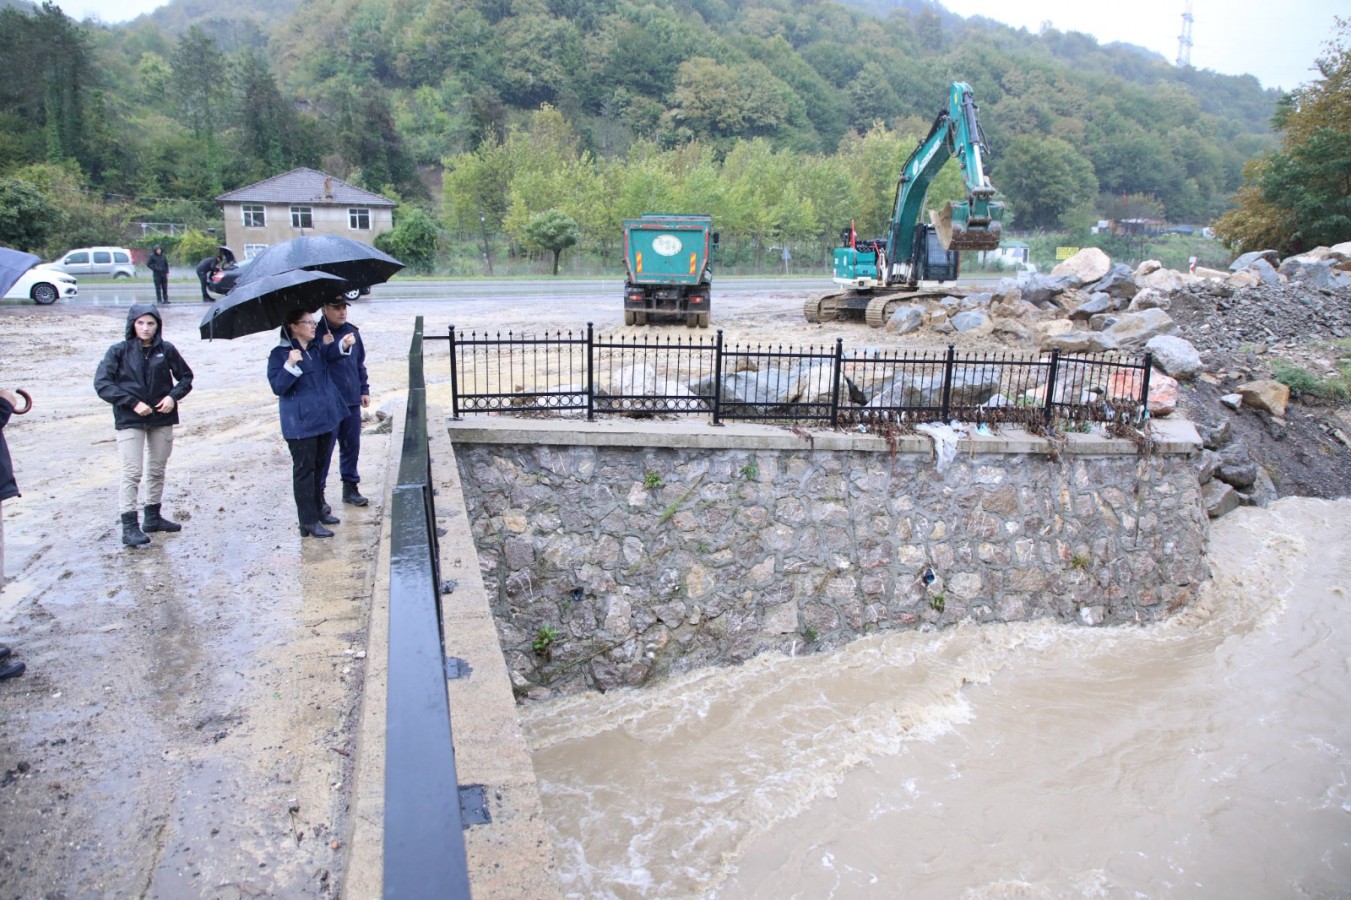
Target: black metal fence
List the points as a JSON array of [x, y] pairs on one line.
[[567, 373], [424, 852]]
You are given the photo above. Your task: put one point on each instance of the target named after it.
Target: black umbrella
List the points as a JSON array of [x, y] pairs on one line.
[[358, 263], [13, 263], [264, 303]]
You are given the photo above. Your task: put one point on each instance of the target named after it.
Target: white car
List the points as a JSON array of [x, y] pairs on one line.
[[114, 261], [43, 285]]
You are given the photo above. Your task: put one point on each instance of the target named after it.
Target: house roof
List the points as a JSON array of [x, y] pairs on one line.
[[304, 186]]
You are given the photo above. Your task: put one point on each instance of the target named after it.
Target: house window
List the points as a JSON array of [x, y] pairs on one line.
[[359, 218], [302, 217], [252, 250], [254, 217]]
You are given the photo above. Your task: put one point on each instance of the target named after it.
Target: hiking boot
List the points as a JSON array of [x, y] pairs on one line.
[[155, 522], [12, 670], [132, 535], [351, 496]]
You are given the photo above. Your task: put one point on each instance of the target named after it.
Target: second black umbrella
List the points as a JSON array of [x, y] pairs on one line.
[[261, 304]]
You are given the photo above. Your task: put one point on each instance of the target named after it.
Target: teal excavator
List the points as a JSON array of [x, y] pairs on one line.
[[915, 258]]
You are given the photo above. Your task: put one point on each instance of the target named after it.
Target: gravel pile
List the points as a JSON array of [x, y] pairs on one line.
[[1218, 318]]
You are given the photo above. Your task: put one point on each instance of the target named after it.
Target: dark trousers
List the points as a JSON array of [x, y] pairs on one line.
[[307, 475], [205, 296], [161, 287], [349, 447]]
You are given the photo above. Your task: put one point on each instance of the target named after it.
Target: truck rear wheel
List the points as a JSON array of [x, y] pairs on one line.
[[703, 320], [691, 320], [639, 317], [628, 317]]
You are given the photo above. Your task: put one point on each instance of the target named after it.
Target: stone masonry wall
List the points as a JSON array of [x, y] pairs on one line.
[[649, 559]]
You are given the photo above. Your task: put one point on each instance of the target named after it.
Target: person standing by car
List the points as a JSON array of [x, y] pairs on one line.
[[144, 378], [158, 264], [205, 269], [348, 374], [297, 370], [9, 489]]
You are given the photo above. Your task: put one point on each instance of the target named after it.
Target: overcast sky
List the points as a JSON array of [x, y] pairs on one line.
[[1277, 42]]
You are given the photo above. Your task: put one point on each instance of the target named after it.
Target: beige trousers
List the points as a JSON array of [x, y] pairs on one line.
[[145, 453]]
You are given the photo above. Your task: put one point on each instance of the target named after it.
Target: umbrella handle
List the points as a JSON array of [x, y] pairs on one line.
[[28, 398]]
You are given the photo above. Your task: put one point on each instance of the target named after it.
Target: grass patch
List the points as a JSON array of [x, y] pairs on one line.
[[1303, 383]]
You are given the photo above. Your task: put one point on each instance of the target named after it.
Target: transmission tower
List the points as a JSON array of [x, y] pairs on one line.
[[1184, 40]]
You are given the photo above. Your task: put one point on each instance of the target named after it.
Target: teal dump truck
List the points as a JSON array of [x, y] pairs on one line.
[[669, 262]]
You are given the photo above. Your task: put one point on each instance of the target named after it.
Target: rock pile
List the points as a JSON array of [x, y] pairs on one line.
[[1190, 322]]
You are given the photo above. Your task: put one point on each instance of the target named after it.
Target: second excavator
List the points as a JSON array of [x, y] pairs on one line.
[[910, 263]]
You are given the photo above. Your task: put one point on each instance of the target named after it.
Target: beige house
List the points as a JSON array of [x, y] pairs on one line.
[[300, 202]]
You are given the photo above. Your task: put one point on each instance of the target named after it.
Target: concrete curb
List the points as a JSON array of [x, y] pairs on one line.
[[1170, 436]]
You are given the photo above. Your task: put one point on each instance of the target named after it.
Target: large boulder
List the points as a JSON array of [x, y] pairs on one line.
[[1099, 302], [971, 386], [1124, 384], [1218, 498], [1079, 342], [1149, 298], [973, 322], [1089, 264], [1045, 289], [1266, 272], [1175, 355], [1321, 273], [1133, 330], [1267, 395], [1119, 282], [1271, 257], [1165, 280], [905, 320]]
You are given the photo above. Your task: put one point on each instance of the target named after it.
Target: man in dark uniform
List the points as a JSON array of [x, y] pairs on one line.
[[158, 264], [204, 269], [348, 375]]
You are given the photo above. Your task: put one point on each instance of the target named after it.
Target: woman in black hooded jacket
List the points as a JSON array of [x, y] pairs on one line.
[[144, 377]]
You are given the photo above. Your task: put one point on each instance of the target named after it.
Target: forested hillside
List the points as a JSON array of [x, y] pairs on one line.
[[152, 119]]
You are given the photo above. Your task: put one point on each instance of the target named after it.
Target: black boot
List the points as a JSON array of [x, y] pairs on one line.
[[11, 670], [155, 522], [132, 535], [324, 508], [315, 530], [351, 496]]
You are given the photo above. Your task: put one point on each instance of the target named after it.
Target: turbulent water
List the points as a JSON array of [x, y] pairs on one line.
[[1208, 756]]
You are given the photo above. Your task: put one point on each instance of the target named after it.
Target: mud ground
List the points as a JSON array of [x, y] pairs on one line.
[[186, 725]]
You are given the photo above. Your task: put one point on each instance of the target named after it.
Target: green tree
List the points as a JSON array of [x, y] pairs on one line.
[[193, 247], [198, 67], [27, 217], [413, 240], [553, 231], [1046, 181], [1306, 184]]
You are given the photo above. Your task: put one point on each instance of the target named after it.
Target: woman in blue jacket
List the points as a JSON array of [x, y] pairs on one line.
[[310, 411]]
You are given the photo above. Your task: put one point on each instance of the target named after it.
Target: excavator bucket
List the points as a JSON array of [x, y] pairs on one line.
[[958, 229]]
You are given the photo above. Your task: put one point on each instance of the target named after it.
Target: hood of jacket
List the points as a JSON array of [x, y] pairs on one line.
[[142, 309]]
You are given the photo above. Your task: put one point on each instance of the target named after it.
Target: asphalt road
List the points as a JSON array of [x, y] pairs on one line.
[[125, 293]]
